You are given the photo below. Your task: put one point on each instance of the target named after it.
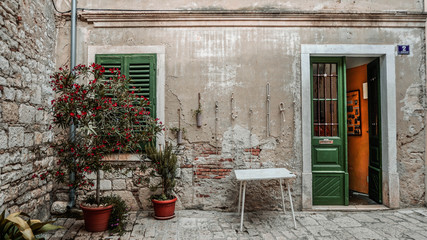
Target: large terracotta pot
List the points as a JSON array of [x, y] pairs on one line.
[[164, 209], [96, 219]]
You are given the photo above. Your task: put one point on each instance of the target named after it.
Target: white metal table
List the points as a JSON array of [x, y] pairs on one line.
[[282, 174]]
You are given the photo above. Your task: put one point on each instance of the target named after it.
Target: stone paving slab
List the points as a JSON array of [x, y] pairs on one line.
[[194, 224]]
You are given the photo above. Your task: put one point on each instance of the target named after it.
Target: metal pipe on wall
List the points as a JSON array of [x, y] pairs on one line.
[[425, 119], [72, 193]]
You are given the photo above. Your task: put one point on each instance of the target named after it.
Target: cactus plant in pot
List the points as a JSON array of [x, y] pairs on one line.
[[108, 117], [164, 165]]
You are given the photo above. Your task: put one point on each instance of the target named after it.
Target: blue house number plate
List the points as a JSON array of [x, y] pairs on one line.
[[403, 49]]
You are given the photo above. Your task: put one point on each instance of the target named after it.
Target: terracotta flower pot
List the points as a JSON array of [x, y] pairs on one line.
[[96, 218], [164, 209]]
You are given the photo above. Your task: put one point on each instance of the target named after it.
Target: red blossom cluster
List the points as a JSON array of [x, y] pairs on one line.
[[108, 115]]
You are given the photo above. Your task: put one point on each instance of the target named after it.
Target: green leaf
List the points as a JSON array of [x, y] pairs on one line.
[[49, 227], [23, 226]]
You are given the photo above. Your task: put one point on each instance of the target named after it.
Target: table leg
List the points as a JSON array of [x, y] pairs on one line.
[[292, 206], [243, 206], [240, 197], [283, 196]]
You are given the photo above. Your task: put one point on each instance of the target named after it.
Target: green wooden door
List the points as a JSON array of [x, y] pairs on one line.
[[329, 142], [375, 178]]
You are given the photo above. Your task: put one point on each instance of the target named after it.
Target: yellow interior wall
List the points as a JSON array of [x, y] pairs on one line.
[[358, 146]]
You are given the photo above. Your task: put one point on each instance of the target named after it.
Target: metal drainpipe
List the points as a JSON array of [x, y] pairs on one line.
[[72, 193], [425, 111], [425, 120]]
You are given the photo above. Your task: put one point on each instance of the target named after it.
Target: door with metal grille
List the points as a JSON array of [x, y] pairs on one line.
[[329, 164]]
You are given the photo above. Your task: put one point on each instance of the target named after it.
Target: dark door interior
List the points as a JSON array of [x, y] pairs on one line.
[[375, 173]]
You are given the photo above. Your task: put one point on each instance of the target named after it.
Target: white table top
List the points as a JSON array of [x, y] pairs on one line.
[[263, 174]]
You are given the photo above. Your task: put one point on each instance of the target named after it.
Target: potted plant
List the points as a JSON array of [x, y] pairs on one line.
[[164, 164], [118, 217], [107, 116], [198, 115], [179, 132]]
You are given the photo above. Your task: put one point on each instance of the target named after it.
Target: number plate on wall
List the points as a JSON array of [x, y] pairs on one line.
[[403, 49]]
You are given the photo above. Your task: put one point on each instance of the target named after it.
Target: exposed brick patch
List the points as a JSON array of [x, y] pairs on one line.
[[186, 166], [202, 195], [205, 150], [226, 160], [253, 151], [212, 171]]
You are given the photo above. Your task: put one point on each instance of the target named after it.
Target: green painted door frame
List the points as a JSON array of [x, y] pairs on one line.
[[329, 131]]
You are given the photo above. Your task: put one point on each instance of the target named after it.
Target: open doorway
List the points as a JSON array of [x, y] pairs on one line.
[[363, 130], [387, 148]]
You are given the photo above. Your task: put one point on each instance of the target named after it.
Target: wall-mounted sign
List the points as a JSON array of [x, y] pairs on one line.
[[403, 50], [365, 90]]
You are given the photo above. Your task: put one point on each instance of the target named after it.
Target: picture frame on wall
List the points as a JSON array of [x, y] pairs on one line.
[[354, 118]]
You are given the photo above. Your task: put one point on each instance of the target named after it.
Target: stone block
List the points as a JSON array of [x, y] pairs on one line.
[[144, 197], [59, 207], [10, 177], [10, 112], [3, 140], [19, 96], [27, 169], [27, 114], [2, 197], [105, 185], [119, 184], [12, 158], [9, 93], [128, 198], [23, 198], [62, 196], [36, 95], [4, 64], [123, 173], [47, 137], [40, 116], [3, 158], [38, 138], [16, 137], [28, 139]]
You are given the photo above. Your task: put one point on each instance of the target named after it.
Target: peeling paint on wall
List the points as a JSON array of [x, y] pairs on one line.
[[413, 102]]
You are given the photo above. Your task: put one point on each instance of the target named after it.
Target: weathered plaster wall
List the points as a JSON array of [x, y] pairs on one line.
[[27, 45], [218, 62], [265, 5]]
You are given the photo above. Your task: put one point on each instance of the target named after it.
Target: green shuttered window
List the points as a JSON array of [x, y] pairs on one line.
[[140, 68]]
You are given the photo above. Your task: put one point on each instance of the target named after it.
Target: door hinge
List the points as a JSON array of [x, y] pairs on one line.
[[367, 179]]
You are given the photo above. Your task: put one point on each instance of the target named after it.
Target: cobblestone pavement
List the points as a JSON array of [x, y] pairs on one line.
[[192, 224]]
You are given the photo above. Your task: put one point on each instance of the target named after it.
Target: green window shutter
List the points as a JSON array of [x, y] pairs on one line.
[[109, 62], [142, 71], [141, 68]]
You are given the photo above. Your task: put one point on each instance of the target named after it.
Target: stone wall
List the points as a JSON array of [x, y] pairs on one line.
[[27, 45]]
